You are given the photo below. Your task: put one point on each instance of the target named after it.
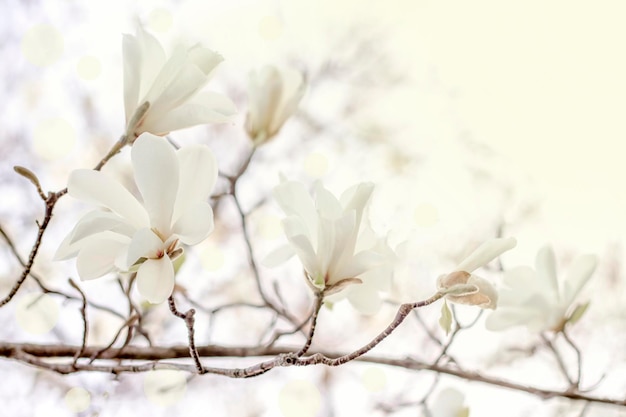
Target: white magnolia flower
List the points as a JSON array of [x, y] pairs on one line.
[[536, 298], [170, 87], [273, 96], [129, 235], [463, 287], [449, 403], [341, 257]]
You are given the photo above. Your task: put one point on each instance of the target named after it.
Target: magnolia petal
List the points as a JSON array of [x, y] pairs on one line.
[[132, 62], [145, 244], [167, 72], [342, 254], [294, 200], [98, 253], [326, 244], [579, 273], [156, 173], [278, 256], [92, 223], [98, 188], [99, 221], [198, 173], [485, 297], [195, 224], [504, 318], [293, 88], [335, 288], [206, 107], [188, 79], [485, 253], [152, 58], [155, 279], [326, 203], [358, 264], [204, 58], [307, 255], [545, 267], [460, 289], [356, 198]]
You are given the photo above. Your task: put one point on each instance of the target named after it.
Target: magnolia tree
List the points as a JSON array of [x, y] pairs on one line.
[[137, 236]]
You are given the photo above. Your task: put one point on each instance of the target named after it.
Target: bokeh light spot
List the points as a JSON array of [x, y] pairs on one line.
[[212, 258], [316, 164], [426, 215], [165, 387], [269, 226], [42, 45], [89, 68], [160, 20], [270, 28], [77, 399], [54, 138], [299, 398], [374, 379], [37, 313]]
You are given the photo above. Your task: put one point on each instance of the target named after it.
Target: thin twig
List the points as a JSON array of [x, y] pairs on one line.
[[316, 309], [189, 319], [83, 313]]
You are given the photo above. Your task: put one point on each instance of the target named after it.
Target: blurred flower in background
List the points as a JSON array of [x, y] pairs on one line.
[[131, 236], [273, 96], [169, 87], [537, 299]]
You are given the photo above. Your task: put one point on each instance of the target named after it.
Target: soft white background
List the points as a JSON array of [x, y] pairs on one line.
[[488, 114]]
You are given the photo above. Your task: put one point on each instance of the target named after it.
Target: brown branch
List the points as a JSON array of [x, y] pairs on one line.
[[189, 319], [83, 313], [319, 298], [31, 353]]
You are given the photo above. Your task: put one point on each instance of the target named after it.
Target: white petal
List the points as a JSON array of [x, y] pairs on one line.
[[198, 173], [145, 244], [202, 109], [195, 224], [98, 253], [503, 318], [326, 203], [293, 88], [96, 187], [545, 265], [94, 222], [294, 199], [155, 279], [186, 81], [152, 59], [156, 173], [307, 255], [486, 253], [132, 80], [578, 275], [167, 72], [204, 58], [278, 256], [356, 198]]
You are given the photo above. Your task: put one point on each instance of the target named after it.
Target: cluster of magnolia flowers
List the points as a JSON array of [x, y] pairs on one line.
[[342, 257]]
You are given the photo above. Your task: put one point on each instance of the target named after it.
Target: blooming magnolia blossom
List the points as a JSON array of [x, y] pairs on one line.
[[273, 96], [536, 298], [169, 87], [463, 287], [131, 236], [341, 256]]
